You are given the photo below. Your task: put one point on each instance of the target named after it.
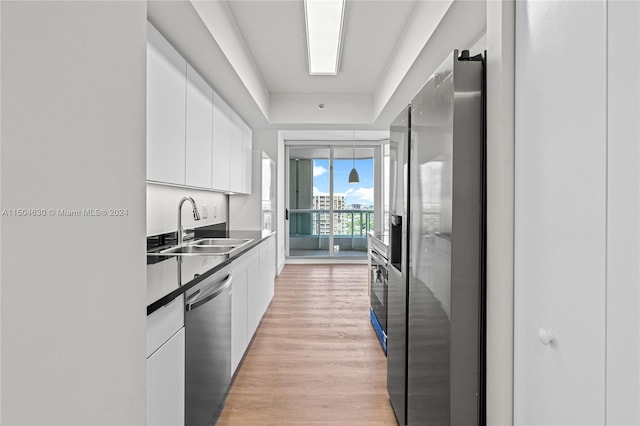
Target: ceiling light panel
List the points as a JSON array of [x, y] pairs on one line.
[[324, 20]]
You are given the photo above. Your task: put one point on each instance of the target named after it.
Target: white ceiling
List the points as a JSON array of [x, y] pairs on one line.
[[254, 54], [274, 32]]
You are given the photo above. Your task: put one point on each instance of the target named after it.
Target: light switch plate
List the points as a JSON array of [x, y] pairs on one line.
[[205, 212]]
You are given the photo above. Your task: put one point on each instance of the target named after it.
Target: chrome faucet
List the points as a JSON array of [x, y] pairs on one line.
[[196, 216]]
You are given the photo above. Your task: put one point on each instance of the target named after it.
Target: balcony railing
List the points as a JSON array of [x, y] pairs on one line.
[[310, 229]]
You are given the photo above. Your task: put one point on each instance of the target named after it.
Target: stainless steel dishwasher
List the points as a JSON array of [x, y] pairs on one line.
[[208, 348]]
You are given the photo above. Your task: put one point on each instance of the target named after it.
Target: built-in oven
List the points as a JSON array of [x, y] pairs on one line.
[[379, 288]]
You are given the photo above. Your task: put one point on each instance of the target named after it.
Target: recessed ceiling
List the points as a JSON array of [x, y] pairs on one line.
[[257, 59], [274, 32]]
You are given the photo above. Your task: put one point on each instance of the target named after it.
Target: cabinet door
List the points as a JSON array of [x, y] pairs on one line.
[[255, 299], [239, 336], [247, 145], [164, 323], [235, 153], [199, 127], [221, 137], [166, 87], [264, 277], [165, 383], [271, 269]]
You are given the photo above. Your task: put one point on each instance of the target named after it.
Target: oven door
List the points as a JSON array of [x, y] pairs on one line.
[[379, 288]]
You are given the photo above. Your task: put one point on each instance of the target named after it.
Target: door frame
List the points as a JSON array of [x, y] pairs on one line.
[[376, 146]]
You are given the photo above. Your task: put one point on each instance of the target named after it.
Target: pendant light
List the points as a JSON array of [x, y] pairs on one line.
[[353, 176]]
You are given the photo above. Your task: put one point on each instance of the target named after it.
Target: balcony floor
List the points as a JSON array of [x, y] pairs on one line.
[[325, 253]]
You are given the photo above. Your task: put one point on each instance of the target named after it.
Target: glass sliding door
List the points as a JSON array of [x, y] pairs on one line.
[[309, 212], [329, 216], [353, 216]]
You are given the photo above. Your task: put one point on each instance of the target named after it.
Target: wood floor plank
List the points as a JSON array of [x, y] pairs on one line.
[[315, 359]]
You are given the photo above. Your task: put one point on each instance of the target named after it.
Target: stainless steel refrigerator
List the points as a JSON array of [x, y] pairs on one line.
[[435, 335]]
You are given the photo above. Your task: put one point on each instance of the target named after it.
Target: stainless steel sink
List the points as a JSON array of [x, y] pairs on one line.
[[207, 246], [200, 250], [220, 242]]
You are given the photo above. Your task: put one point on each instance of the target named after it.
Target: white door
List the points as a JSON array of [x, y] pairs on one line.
[[329, 214], [560, 213]]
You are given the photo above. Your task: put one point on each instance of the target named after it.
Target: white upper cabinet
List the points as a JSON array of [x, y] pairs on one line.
[[247, 144], [193, 137], [166, 85], [198, 130], [235, 153], [221, 135]]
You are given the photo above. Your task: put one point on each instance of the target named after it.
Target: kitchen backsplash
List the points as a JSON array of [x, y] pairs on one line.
[[162, 208]]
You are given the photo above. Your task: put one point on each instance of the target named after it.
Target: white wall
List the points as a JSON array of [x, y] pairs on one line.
[[162, 208], [267, 141], [282, 187], [73, 137], [500, 180], [272, 144]]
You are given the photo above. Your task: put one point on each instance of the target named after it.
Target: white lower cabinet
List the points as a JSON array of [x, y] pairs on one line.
[[239, 336], [166, 364], [252, 290], [241, 305], [255, 304], [165, 383], [270, 268], [267, 273]]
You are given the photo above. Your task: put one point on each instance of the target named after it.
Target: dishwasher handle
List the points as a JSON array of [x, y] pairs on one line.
[[378, 258], [213, 292]]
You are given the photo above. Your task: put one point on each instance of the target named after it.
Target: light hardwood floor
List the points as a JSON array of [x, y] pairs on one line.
[[315, 359]]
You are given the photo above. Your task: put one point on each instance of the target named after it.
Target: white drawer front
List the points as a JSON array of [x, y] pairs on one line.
[[164, 323]]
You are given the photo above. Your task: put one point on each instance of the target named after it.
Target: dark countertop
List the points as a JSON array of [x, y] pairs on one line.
[[168, 276]]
